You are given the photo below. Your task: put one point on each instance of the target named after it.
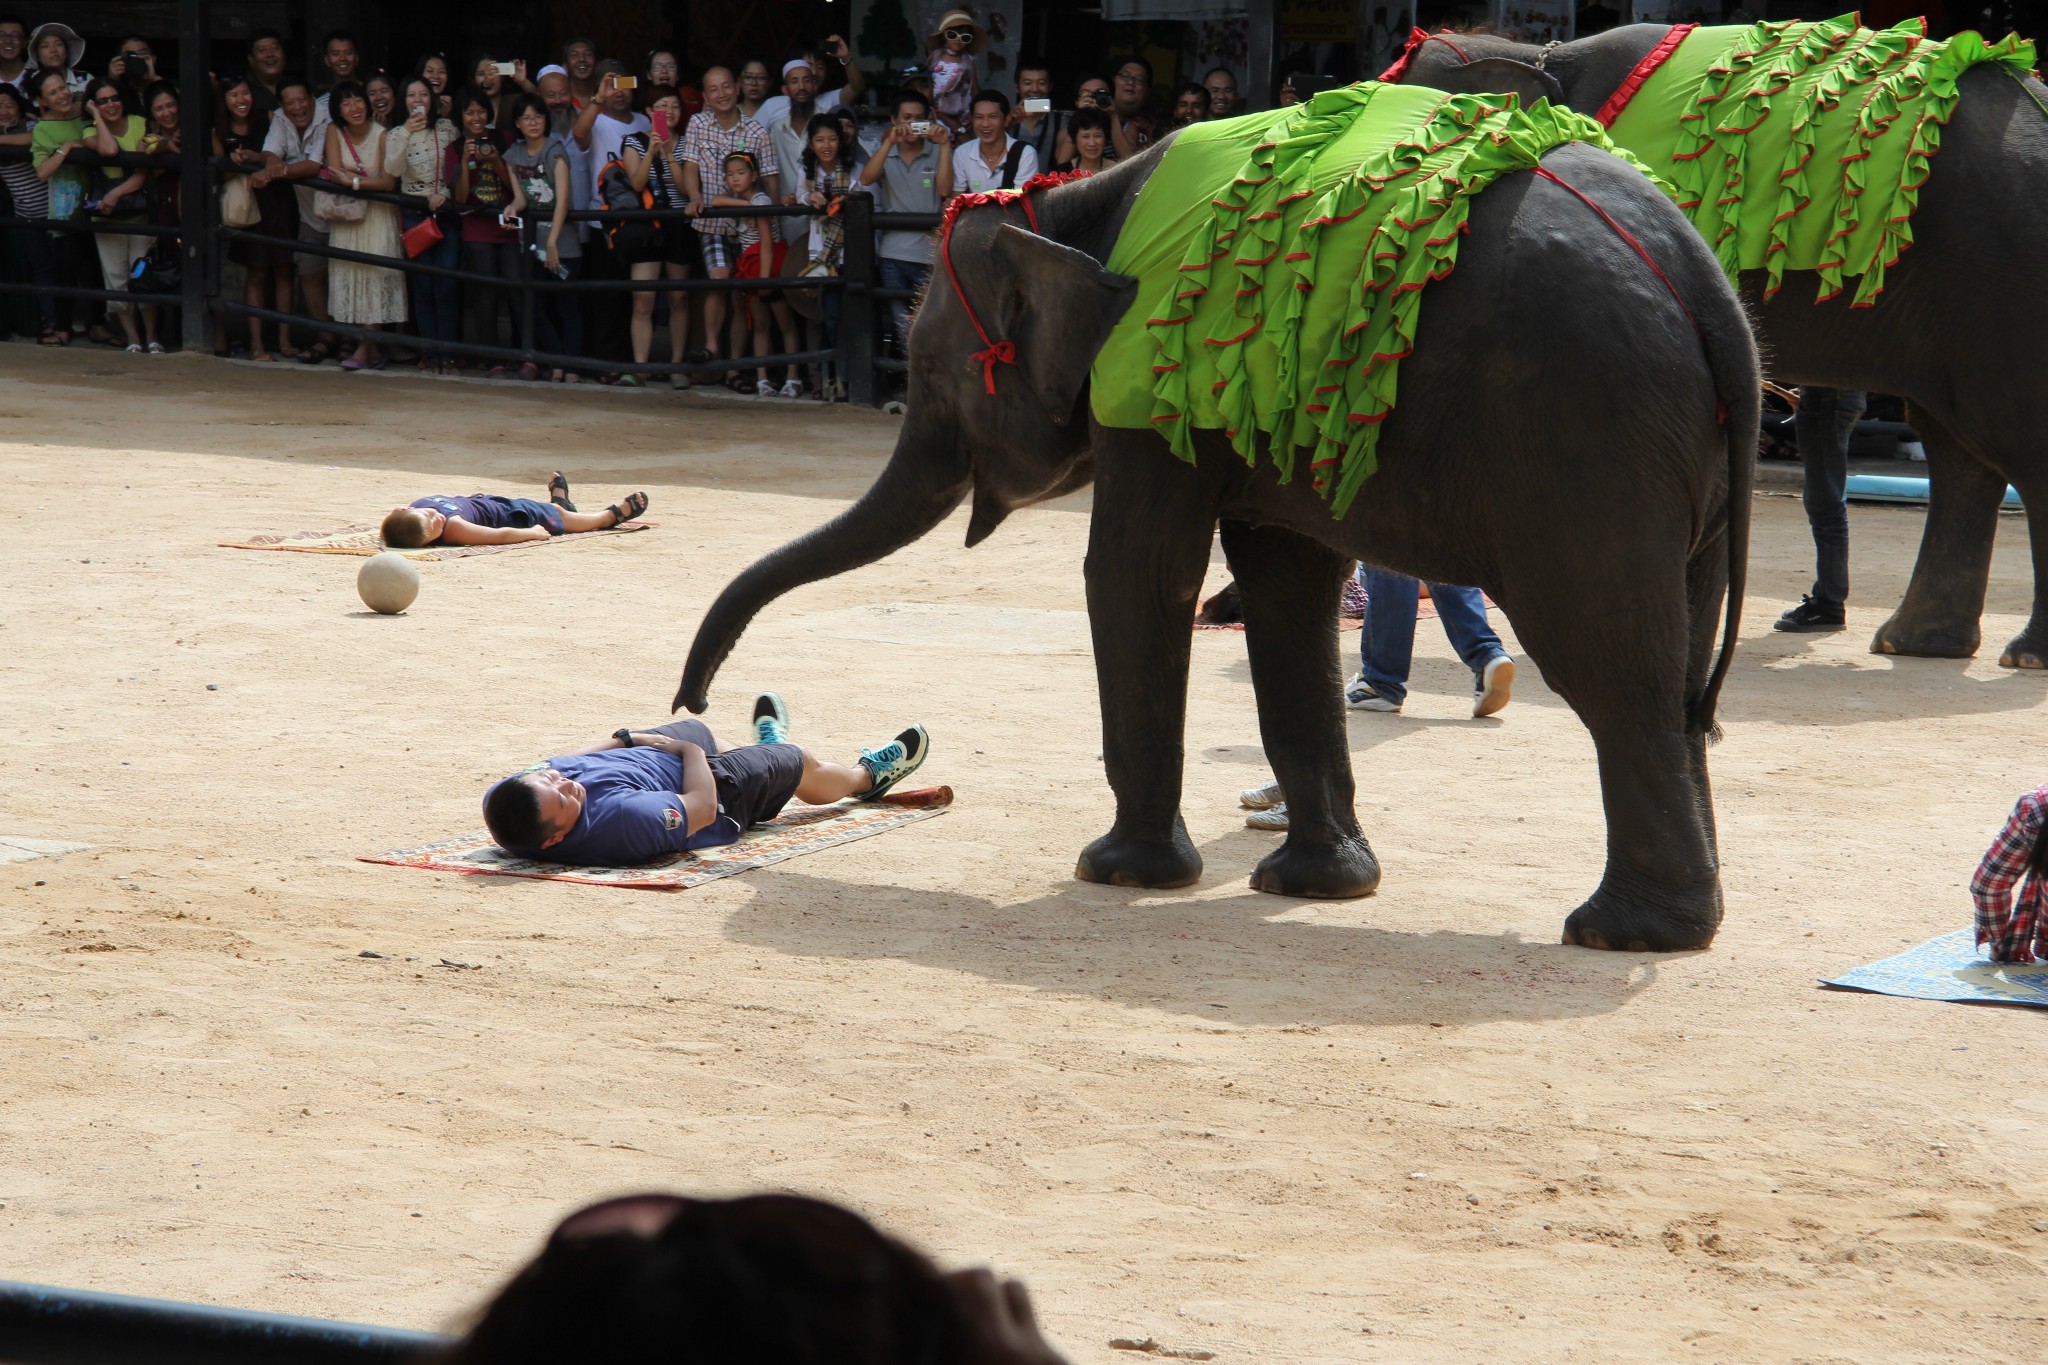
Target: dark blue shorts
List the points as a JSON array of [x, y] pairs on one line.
[[754, 782], [521, 513]]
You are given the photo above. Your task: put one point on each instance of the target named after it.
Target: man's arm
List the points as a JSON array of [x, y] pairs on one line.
[[700, 788], [943, 181], [456, 531], [586, 117], [872, 172]]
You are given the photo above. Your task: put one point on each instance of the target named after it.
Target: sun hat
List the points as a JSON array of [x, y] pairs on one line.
[[958, 18], [74, 46]]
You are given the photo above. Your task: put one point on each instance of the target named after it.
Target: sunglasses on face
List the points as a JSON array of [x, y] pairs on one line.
[[959, 35]]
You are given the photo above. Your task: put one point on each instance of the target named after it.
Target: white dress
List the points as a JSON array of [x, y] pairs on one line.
[[357, 293]]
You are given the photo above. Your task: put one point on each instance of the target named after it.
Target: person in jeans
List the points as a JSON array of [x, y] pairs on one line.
[[828, 174], [416, 151], [1825, 421], [543, 189], [915, 173], [483, 191]]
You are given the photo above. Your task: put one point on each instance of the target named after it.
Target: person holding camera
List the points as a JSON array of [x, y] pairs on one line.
[[1032, 120], [777, 107], [483, 195], [134, 66], [914, 167], [648, 251]]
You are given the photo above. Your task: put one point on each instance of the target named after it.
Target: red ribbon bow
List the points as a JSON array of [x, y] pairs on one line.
[[998, 352]]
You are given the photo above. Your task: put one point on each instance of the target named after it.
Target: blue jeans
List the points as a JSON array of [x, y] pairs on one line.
[[1386, 644], [902, 275], [1825, 421], [435, 309], [558, 317]]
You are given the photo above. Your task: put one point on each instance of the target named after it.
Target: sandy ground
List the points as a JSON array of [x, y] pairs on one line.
[[1407, 1128]]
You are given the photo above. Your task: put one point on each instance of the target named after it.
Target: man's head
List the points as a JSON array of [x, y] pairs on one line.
[[340, 54], [533, 811], [1034, 79], [407, 528], [618, 103], [554, 88], [991, 113], [721, 90], [13, 39], [1222, 88], [800, 83], [133, 61], [266, 54], [295, 97], [1133, 85], [911, 107], [1092, 93], [580, 56], [1190, 105]]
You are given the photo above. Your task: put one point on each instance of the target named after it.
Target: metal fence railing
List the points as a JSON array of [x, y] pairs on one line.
[[857, 351]]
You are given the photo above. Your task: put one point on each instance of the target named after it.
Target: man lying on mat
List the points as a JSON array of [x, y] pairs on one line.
[[488, 519], [645, 793]]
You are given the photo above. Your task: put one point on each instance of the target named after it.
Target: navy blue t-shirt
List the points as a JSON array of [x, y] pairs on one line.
[[632, 812]]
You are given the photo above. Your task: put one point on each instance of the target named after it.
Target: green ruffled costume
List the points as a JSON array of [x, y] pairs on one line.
[[1282, 257], [1803, 146]]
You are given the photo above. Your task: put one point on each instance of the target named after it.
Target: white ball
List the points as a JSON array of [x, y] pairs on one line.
[[388, 582]]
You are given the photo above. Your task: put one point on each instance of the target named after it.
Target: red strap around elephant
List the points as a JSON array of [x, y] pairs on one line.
[[1642, 71], [993, 353]]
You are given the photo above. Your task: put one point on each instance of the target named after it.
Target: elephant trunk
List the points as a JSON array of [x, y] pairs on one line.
[[925, 479]]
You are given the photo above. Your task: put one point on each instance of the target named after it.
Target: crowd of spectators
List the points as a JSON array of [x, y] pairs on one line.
[[491, 158]]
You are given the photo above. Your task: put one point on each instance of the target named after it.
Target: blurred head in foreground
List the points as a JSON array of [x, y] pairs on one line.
[[769, 1279]]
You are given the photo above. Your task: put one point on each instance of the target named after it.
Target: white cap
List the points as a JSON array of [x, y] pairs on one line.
[[551, 69], [794, 62]]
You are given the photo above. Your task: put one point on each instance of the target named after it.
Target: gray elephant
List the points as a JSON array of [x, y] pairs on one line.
[[1957, 332], [1574, 434]]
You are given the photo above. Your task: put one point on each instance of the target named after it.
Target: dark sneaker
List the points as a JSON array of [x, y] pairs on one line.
[[771, 719], [888, 764], [1810, 615]]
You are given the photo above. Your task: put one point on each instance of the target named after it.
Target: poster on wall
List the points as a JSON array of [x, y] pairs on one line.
[[1535, 21]]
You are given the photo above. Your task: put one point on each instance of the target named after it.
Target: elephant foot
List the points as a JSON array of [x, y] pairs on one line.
[[1118, 859], [1343, 870], [2027, 650], [1954, 639], [1634, 924]]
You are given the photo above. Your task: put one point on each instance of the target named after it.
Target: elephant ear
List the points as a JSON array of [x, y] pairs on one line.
[[1059, 306], [1498, 76]]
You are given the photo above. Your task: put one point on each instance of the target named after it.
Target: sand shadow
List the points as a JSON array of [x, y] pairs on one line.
[[1236, 959]]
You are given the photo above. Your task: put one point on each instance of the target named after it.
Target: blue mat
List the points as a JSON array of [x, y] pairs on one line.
[[1951, 967]]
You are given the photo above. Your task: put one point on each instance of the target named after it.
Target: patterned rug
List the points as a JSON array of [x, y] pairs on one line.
[[362, 540], [1951, 967], [797, 831]]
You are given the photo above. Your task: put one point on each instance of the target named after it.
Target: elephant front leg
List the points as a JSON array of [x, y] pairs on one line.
[[1289, 586], [1938, 617], [1148, 547]]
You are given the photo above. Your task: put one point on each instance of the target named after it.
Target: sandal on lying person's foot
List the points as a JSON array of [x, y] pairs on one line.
[[634, 505], [558, 492]]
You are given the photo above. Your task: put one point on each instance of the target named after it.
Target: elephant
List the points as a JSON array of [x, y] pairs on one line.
[[1556, 443], [1957, 333]]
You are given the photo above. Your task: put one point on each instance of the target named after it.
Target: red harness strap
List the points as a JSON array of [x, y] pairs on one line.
[[1642, 71], [993, 352], [1721, 404], [1416, 38]]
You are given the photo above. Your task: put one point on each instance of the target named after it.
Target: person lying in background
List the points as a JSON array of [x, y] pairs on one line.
[[2012, 902], [492, 519], [761, 1278]]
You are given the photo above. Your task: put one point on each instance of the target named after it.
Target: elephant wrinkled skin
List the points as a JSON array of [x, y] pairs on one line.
[[1957, 332], [1556, 443]]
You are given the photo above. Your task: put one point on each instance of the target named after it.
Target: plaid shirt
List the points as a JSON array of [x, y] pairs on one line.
[[2015, 926], [707, 144]]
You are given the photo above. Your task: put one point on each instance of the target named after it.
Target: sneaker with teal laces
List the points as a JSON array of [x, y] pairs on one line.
[[771, 719], [888, 764]]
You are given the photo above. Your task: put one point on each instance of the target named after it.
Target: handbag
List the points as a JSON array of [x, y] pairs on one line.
[[238, 206], [330, 207], [426, 234], [159, 272]]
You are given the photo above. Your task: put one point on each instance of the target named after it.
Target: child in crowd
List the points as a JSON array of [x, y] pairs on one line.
[[762, 254], [954, 42], [2012, 901], [645, 793], [490, 519]]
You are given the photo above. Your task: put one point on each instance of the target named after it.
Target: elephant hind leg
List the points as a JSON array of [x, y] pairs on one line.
[[1628, 656], [1937, 619], [1289, 586]]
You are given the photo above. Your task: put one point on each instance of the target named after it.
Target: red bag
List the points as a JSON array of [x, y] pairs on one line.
[[422, 236]]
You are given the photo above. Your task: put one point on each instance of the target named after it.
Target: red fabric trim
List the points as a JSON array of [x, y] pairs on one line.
[[1393, 74], [1642, 71], [1655, 269]]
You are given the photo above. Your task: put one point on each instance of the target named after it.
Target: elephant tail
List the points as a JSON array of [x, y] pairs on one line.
[[1731, 355]]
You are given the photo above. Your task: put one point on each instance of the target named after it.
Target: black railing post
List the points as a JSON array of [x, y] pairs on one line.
[[196, 204], [529, 270], [857, 302]]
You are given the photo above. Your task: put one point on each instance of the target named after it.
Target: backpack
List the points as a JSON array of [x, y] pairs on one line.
[[615, 189], [1010, 164]]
